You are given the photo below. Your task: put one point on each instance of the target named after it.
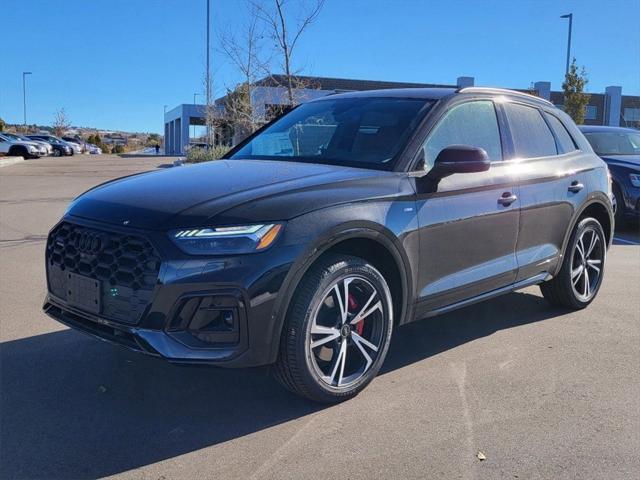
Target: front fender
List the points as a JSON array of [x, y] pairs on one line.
[[323, 240]]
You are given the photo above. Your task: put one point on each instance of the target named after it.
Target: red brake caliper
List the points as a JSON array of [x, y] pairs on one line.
[[353, 306]]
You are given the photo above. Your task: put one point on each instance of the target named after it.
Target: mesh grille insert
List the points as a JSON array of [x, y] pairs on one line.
[[126, 265]]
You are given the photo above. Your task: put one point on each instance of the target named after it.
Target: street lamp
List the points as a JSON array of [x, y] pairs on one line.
[[24, 98], [570, 17]]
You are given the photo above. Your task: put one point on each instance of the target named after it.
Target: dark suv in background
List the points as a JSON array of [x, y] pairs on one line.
[[620, 149], [343, 219]]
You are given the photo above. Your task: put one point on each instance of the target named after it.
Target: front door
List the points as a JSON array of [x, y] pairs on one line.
[[469, 224]]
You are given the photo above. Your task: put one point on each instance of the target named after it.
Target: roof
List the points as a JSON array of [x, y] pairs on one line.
[[505, 91], [423, 93], [600, 128], [341, 84]]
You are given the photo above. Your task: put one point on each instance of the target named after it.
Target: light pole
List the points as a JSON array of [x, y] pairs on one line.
[[570, 17], [208, 80], [24, 98], [193, 130]]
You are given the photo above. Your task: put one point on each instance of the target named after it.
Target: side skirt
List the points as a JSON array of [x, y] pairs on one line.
[[485, 296]]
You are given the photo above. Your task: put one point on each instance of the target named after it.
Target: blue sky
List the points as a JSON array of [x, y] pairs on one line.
[[114, 64]]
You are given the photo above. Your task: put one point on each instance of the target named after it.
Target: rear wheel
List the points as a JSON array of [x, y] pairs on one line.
[[337, 331], [580, 277], [57, 152]]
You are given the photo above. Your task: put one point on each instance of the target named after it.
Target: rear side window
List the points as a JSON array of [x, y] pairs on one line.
[[531, 135], [474, 124], [565, 140]]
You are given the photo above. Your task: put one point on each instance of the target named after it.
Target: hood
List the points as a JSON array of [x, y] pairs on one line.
[[247, 190], [627, 161]]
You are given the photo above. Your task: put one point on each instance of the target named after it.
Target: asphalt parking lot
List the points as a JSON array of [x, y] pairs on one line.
[[542, 393]]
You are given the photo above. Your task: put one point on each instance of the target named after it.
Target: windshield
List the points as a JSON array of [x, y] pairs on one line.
[[614, 143], [357, 132]]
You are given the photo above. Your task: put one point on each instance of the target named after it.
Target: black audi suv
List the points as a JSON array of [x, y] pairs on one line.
[[620, 149], [349, 216]]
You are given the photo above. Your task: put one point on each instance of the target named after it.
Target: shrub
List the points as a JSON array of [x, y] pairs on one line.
[[197, 154]]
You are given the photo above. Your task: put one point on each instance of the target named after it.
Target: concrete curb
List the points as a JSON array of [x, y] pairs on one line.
[[6, 161]]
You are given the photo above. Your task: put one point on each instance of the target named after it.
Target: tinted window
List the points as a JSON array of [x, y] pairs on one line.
[[474, 124], [615, 143], [564, 138], [531, 135], [360, 132]]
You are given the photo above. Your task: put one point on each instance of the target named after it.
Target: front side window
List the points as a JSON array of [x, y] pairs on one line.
[[614, 143], [565, 140], [357, 132], [531, 135], [473, 124]]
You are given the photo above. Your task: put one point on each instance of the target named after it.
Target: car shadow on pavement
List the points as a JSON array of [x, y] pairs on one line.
[[74, 407]]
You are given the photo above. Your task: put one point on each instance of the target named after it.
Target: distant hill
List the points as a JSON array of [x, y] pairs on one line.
[[115, 137]]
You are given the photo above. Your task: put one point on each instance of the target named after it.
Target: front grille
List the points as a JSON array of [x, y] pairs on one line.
[[126, 265]]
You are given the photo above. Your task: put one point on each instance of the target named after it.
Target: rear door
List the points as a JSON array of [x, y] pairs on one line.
[[469, 224], [552, 184]]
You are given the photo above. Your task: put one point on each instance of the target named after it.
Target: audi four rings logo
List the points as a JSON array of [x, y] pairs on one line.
[[87, 242]]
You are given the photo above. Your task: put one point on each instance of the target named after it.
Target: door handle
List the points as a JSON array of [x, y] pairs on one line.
[[507, 199], [575, 186]]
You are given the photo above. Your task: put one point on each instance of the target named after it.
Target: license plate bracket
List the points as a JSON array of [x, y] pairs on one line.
[[84, 292]]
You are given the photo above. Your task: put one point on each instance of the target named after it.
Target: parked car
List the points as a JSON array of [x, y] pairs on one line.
[[349, 216], [620, 149], [60, 147], [79, 145], [19, 148], [94, 149], [44, 148]]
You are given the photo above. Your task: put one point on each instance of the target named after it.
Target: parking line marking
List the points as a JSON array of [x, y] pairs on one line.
[[625, 241]]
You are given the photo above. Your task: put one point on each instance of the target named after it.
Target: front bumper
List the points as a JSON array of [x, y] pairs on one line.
[[241, 291]]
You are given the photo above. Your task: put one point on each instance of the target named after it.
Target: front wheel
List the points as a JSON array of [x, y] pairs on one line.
[[337, 330], [618, 205], [580, 277]]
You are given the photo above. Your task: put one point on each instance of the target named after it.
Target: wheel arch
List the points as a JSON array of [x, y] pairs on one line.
[[598, 207], [366, 240], [17, 149]]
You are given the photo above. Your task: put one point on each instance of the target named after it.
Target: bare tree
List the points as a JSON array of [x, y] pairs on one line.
[[61, 122], [285, 35], [210, 114], [244, 51]]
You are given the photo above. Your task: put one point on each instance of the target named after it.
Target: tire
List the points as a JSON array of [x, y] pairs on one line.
[[57, 152], [326, 353], [619, 203], [19, 152], [572, 288]]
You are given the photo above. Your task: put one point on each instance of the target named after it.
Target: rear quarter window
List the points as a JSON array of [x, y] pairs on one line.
[[531, 135], [565, 140]]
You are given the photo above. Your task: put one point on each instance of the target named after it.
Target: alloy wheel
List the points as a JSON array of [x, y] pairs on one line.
[[586, 264], [347, 331]]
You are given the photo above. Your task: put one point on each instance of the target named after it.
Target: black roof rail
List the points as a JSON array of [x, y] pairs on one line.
[[504, 91]]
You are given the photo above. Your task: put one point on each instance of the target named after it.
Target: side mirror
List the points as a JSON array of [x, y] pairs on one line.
[[459, 159]]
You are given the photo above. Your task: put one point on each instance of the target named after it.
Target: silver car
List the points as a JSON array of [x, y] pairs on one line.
[[45, 148], [19, 148]]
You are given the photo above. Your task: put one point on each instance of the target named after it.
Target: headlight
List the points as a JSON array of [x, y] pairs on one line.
[[226, 240], [31, 148], [635, 179]]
